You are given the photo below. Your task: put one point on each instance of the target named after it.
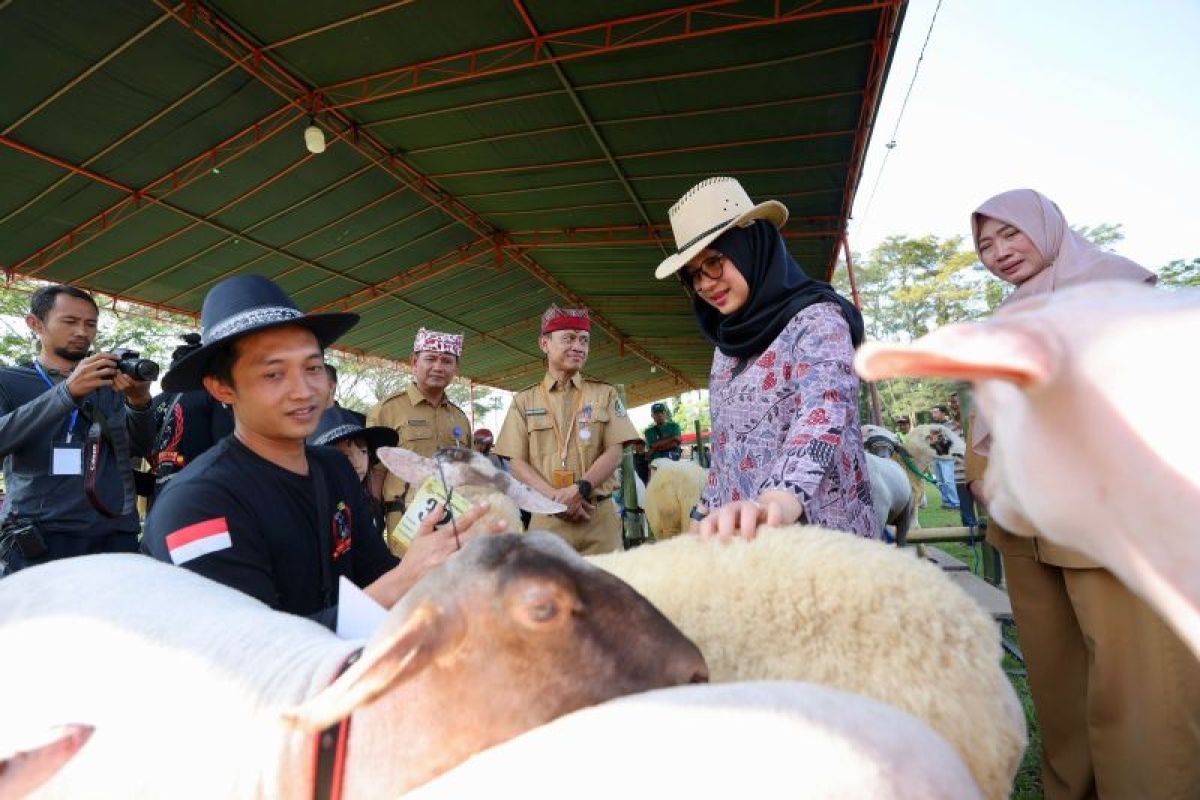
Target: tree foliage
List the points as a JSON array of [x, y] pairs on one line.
[[909, 287], [152, 333], [689, 407], [1180, 273], [1103, 235]]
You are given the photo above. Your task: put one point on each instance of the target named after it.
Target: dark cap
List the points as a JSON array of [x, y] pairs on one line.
[[338, 423]]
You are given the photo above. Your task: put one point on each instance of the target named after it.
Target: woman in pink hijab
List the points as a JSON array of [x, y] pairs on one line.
[[1117, 694], [1023, 239]]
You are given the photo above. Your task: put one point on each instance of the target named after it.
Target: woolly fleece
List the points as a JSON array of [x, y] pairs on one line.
[[809, 604], [675, 486]]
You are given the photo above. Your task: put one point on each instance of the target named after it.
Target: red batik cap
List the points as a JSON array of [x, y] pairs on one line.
[[565, 319]]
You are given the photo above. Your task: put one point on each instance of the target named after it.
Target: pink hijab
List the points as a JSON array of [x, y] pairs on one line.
[[1070, 259]]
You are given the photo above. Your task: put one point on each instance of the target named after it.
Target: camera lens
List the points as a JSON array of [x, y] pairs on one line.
[[141, 369], [145, 369]]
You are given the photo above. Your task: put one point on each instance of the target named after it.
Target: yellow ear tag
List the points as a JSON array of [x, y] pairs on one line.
[[432, 492]]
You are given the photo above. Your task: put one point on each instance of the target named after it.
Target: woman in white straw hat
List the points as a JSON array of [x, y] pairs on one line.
[[782, 391]]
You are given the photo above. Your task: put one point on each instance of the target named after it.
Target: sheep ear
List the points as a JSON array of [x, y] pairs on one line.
[[526, 498], [994, 350], [399, 652], [25, 770], [406, 465]]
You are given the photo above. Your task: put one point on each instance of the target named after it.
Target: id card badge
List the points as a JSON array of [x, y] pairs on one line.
[[562, 478], [66, 458]]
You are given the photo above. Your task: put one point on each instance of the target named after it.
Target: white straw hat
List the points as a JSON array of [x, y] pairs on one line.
[[710, 208]]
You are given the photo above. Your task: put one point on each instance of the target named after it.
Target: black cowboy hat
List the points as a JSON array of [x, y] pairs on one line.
[[338, 423], [241, 305]]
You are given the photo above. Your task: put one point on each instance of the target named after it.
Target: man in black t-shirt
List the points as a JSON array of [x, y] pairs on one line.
[[261, 512], [187, 424]]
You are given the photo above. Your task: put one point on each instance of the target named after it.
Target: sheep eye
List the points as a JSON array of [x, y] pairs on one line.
[[543, 610]]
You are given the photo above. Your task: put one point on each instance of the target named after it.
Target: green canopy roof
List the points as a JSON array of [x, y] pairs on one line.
[[484, 159]]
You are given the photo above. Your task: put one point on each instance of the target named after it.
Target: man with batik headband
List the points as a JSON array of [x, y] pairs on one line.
[[422, 415], [564, 436]]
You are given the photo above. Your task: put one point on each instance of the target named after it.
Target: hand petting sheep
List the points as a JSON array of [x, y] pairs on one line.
[[806, 604]]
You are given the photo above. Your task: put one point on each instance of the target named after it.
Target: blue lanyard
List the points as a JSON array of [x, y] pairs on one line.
[[74, 414]]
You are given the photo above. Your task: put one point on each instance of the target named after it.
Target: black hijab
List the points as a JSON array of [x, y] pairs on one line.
[[779, 289]]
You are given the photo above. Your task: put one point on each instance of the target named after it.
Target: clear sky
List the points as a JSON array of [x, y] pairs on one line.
[[1091, 102]]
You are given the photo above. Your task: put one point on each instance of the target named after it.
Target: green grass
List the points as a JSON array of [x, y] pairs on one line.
[[1028, 782]]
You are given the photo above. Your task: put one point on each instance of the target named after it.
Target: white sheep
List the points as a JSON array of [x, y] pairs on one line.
[[922, 451], [197, 690], [896, 451], [763, 739], [814, 605], [675, 486], [891, 495], [807, 604]]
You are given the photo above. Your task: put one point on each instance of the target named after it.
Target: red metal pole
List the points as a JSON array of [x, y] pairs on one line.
[[850, 271], [872, 389]]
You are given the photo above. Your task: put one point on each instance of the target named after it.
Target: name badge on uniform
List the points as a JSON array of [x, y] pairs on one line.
[[66, 458], [418, 422], [585, 421], [535, 412]]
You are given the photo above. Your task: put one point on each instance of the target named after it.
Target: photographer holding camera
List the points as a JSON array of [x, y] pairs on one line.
[[69, 422]]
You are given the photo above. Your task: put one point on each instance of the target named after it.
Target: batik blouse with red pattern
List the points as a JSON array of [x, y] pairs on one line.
[[789, 421]]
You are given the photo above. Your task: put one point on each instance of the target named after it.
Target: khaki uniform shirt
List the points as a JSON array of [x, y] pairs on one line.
[[423, 428], [528, 431]]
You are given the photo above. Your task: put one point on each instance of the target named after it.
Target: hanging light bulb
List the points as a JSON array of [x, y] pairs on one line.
[[314, 137]]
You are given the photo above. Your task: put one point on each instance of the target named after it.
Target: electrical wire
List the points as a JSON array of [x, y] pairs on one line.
[[891, 145]]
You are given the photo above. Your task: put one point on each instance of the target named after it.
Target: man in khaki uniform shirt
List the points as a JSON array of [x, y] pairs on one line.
[[564, 437], [1117, 693], [422, 414]]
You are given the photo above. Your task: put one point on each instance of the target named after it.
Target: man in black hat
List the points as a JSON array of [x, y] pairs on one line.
[[187, 424], [260, 511]]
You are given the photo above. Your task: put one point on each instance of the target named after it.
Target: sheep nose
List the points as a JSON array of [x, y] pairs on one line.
[[686, 665]]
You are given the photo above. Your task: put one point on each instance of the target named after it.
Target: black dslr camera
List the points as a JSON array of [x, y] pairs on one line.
[[23, 534], [132, 364]]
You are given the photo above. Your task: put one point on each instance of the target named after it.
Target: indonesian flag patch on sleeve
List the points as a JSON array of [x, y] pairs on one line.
[[198, 540]]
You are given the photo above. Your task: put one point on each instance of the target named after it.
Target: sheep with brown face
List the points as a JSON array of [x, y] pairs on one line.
[[198, 690]]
